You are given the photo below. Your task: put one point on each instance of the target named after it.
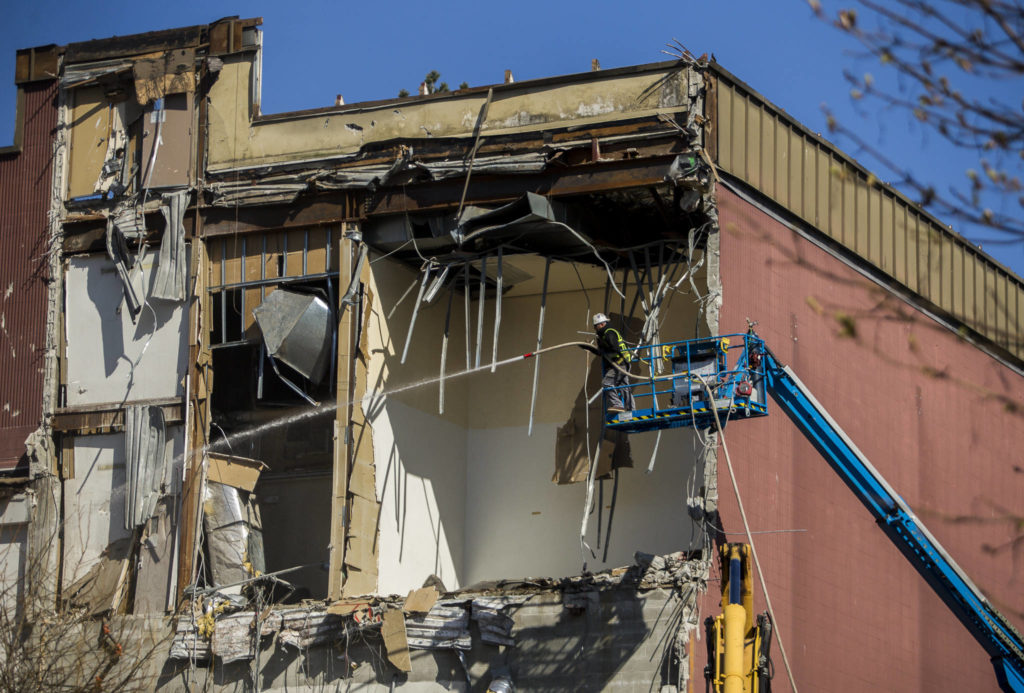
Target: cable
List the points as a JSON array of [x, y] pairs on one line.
[[750, 536]]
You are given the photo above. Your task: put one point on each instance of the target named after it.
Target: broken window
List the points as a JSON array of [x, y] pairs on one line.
[[273, 333]]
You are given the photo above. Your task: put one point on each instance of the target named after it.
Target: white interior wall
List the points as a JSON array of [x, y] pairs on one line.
[[467, 494], [419, 453], [519, 523], [110, 359], [94, 497], [14, 516]]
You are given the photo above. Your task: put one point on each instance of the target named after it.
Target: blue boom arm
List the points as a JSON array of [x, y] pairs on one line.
[[897, 520]]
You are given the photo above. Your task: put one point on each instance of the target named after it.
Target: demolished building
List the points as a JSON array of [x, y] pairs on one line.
[[291, 368]]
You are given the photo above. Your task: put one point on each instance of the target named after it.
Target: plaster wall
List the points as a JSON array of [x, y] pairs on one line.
[[110, 359], [519, 523], [14, 515], [467, 494], [94, 497]]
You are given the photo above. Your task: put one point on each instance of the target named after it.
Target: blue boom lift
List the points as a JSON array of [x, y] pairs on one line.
[[731, 375]]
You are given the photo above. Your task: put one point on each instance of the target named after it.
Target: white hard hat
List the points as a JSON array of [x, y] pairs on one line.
[[599, 318]]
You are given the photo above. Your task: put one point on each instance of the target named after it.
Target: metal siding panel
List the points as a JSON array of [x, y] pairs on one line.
[[911, 247], [936, 271], [809, 184], [724, 125], [991, 307], [899, 241], [1018, 346], [849, 234], [946, 262], [835, 201], [752, 156], [796, 172], [923, 258], [874, 226], [24, 204], [888, 213], [768, 128], [1002, 299], [822, 207], [957, 283], [980, 299], [739, 129], [781, 163], [970, 295], [861, 217]]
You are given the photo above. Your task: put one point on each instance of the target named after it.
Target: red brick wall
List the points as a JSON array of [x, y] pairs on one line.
[[941, 420]]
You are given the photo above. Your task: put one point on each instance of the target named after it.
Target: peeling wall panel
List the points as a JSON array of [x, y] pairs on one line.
[[24, 203], [90, 129], [109, 358], [173, 165], [589, 98]]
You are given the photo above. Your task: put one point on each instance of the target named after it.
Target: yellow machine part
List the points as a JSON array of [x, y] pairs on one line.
[[737, 641]]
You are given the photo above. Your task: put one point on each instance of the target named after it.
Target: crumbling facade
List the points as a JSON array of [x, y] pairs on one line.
[[316, 390]]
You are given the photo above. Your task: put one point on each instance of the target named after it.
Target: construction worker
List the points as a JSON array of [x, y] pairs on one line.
[[613, 349]]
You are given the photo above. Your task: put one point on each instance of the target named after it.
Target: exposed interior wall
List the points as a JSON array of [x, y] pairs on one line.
[[467, 495], [14, 517], [109, 358], [94, 497], [937, 417]]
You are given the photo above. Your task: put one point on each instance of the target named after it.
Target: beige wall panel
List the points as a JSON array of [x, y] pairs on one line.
[[862, 217], [173, 163], [900, 253], [781, 163], [753, 149], [726, 104], [90, 127], [253, 298], [924, 261], [1017, 345], [809, 186], [849, 205], [874, 225], [835, 201], [252, 262], [991, 303], [1003, 294], [970, 293], [232, 260], [822, 207], [980, 298], [912, 275], [796, 173], [738, 134], [214, 251], [937, 273], [767, 169], [316, 262], [946, 262], [294, 242], [957, 292], [887, 213]]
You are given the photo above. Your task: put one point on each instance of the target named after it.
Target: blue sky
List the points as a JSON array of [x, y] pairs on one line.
[[365, 51]]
